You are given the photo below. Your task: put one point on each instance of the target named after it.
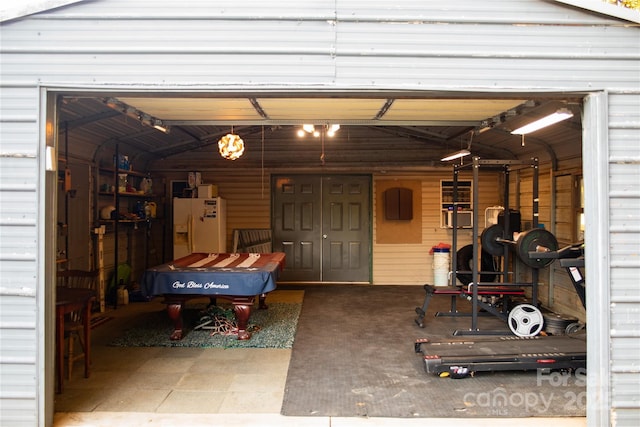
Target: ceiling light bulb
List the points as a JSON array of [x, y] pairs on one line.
[[301, 133]]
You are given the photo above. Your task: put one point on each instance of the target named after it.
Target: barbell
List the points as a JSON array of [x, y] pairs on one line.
[[534, 240]]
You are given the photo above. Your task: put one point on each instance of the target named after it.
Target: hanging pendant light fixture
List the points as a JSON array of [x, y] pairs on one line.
[[329, 129], [231, 146]]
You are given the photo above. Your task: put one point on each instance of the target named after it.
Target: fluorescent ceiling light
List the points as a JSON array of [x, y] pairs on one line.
[[157, 124], [456, 155], [549, 120]]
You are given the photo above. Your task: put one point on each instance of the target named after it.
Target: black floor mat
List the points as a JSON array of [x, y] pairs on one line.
[[353, 355]]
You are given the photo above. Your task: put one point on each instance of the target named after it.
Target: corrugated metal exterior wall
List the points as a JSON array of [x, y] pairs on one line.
[[624, 248], [492, 46]]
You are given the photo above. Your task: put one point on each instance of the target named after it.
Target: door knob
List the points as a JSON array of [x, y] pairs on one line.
[[324, 236]]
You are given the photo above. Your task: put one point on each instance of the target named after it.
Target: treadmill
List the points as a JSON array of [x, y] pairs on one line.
[[462, 357]]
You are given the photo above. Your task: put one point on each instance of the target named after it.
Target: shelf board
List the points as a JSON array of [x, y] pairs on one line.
[[126, 194], [122, 221], [127, 171]]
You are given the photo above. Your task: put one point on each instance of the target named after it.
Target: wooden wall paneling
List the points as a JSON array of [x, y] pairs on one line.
[[564, 208]]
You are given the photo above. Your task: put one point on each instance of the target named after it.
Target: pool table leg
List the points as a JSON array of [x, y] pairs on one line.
[[174, 309], [242, 311], [261, 302]]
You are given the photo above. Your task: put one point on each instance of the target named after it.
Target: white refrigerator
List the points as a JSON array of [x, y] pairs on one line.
[[199, 225]]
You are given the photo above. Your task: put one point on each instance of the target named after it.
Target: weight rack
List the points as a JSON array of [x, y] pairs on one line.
[[506, 167]]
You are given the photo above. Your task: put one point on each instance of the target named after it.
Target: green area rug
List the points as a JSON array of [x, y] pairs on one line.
[[274, 327]]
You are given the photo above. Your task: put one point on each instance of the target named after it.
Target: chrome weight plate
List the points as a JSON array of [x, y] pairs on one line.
[[525, 320]]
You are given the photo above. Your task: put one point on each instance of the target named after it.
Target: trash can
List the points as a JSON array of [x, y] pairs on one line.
[[441, 266]]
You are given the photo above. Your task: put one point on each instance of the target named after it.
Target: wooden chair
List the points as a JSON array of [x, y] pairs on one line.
[[73, 326]]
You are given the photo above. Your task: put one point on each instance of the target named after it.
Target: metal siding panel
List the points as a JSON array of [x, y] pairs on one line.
[[20, 413], [625, 323], [216, 35], [626, 390], [18, 208], [628, 349], [507, 11], [17, 174], [142, 68], [432, 39], [18, 349], [626, 289], [457, 73], [626, 418], [523, 11], [198, 9], [19, 105], [19, 340], [17, 141], [305, 44], [18, 313], [624, 160]]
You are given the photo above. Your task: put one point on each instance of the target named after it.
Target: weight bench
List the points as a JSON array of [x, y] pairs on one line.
[[490, 292]]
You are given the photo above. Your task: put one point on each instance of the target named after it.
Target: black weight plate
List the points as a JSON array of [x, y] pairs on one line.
[[489, 239], [530, 240], [465, 262]]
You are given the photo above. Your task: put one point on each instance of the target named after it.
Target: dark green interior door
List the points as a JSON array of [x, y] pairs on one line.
[[296, 226], [345, 228], [323, 225]]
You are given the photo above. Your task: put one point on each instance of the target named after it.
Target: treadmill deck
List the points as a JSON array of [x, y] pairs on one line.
[[502, 353]]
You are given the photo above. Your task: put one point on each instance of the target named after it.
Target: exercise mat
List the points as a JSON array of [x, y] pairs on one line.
[[353, 356]]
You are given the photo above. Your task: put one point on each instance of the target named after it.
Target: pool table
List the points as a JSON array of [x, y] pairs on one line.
[[239, 278]]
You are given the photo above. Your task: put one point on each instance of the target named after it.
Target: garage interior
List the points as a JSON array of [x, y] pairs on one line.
[[389, 136], [395, 136]]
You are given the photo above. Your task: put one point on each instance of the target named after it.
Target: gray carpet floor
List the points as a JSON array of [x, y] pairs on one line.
[[353, 355]]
